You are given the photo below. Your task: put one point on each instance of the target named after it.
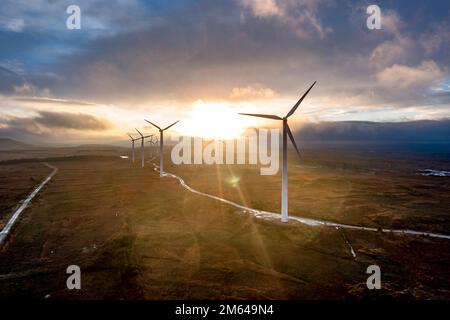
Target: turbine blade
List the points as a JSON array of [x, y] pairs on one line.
[[171, 125], [268, 116], [139, 132], [292, 139], [299, 101], [153, 124], [130, 136], [149, 136]]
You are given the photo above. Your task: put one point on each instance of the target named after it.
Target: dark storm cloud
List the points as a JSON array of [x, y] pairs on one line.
[[9, 79], [46, 122], [186, 50], [77, 121], [201, 55], [412, 131], [205, 49], [220, 45]]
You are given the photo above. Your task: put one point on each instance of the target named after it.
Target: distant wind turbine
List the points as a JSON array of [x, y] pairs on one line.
[[152, 142], [161, 145], [142, 146], [286, 132], [132, 146]]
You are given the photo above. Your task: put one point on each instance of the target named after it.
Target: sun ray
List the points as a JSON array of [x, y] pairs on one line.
[[213, 121]]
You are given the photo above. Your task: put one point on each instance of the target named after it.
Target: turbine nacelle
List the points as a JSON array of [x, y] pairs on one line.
[[131, 137], [142, 136], [161, 130], [285, 118]]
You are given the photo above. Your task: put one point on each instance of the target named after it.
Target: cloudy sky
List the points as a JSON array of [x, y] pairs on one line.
[[207, 60]]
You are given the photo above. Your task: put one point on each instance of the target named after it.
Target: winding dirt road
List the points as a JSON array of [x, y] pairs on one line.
[[307, 221]]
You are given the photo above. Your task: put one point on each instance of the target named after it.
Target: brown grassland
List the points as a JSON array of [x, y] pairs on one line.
[[137, 236]]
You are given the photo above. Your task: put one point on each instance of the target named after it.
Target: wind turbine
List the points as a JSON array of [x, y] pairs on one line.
[[286, 132], [161, 145], [152, 143], [142, 145], [132, 146]]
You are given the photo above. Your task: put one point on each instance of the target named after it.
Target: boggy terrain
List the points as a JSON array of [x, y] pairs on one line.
[[138, 236]]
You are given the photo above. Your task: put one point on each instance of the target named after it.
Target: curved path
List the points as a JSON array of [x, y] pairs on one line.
[[307, 221]]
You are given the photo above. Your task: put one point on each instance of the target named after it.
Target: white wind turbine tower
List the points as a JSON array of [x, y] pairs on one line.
[[286, 132], [142, 146], [132, 146], [161, 145]]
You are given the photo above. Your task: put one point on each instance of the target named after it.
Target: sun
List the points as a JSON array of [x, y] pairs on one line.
[[213, 121]]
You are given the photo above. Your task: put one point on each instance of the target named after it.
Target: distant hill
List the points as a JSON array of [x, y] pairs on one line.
[[10, 144], [365, 131], [97, 146], [413, 136]]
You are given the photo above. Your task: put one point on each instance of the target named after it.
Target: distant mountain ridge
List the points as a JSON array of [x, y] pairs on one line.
[[366, 131], [10, 144]]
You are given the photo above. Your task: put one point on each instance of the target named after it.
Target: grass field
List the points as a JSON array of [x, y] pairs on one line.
[[137, 236]]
